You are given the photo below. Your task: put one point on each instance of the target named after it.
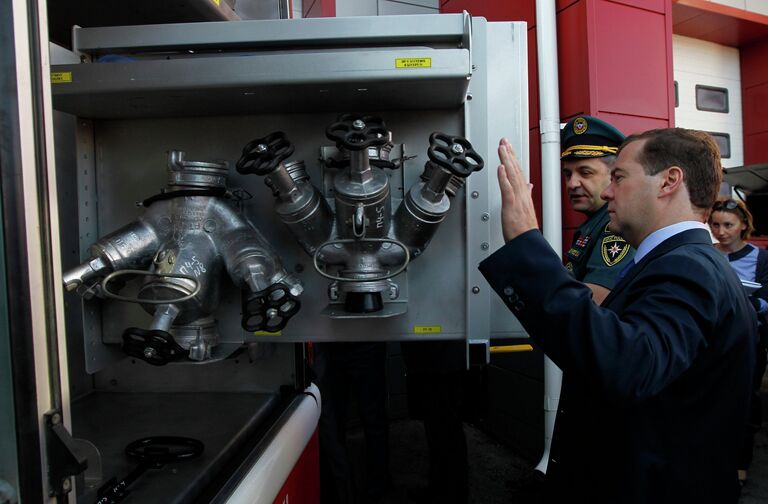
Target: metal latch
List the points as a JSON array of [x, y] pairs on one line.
[[64, 458]]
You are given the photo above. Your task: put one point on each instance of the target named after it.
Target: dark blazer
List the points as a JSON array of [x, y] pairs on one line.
[[656, 382]]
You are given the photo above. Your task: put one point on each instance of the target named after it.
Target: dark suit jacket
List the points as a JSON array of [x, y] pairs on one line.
[[655, 383]]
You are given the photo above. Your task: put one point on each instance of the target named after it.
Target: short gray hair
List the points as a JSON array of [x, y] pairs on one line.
[[609, 161]]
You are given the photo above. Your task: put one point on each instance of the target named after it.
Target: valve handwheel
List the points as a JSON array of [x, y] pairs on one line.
[[165, 449], [357, 132], [153, 346], [455, 154], [262, 155], [270, 309], [153, 453]]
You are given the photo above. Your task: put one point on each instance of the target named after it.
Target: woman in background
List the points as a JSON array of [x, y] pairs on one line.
[[731, 224]]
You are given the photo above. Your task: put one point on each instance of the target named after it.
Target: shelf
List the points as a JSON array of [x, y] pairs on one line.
[[256, 67], [222, 421], [263, 83]]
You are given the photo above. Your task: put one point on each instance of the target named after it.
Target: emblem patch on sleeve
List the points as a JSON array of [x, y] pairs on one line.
[[613, 249]]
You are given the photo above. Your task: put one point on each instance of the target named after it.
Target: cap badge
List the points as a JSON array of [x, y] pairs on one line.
[[580, 125]]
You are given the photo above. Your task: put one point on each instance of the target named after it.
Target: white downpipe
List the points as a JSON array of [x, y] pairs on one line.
[[549, 105]]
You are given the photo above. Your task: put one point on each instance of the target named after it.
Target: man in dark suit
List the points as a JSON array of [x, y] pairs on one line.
[[656, 381]]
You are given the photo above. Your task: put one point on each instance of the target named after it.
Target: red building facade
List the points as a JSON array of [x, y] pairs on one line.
[[615, 62]]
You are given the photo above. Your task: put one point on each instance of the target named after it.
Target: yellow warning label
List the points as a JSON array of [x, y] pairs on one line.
[[217, 2], [413, 63], [61, 77], [427, 329], [267, 333]]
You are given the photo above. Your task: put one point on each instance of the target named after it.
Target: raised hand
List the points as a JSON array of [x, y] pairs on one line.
[[517, 212]]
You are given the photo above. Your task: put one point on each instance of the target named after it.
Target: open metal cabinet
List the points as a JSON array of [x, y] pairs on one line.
[[128, 101]]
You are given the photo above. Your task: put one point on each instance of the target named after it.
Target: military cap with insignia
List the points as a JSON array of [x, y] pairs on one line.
[[589, 137]]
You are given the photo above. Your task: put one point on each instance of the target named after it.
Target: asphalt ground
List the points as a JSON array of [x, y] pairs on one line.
[[496, 474]]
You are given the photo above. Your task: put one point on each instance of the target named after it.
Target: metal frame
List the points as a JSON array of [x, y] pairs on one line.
[[317, 32], [488, 97], [493, 115], [477, 83], [32, 241]]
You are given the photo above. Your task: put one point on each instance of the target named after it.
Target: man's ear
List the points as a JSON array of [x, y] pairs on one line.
[[672, 180]]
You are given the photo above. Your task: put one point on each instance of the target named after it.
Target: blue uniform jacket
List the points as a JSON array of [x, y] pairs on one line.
[[656, 382]]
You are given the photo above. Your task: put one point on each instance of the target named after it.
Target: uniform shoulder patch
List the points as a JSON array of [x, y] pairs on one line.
[[613, 249]]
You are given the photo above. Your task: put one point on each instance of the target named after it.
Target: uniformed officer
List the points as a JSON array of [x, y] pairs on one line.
[[596, 255]]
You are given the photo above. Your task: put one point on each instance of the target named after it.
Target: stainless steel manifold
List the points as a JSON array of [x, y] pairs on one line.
[[360, 244], [191, 233]]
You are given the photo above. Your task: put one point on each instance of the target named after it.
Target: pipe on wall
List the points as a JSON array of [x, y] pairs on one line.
[[549, 105]]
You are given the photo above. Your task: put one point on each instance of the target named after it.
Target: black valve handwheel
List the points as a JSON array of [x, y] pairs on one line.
[[454, 153], [262, 155], [165, 449], [270, 309], [153, 346], [357, 132], [153, 453]]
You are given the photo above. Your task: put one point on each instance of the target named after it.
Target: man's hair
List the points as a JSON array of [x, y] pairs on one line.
[[695, 152], [608, 161]]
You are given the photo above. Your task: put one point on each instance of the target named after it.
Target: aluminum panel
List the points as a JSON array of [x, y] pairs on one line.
[[315, 32], [131, 154], [264, 83], [498, 108], [135, 149]]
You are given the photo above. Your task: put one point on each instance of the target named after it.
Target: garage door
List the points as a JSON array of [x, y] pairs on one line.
[[708, 93]]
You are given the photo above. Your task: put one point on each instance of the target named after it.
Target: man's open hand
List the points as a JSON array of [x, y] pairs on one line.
[[517, 211]]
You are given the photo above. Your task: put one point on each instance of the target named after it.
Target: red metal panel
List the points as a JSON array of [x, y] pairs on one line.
[[563, 4], [504, 10], [319, 8], [630, 48], [671, 95], [573, 61], [494, 10], [755, 150], [651, 5], [754, 93], [754, 65], [474, 7], [303, 484], [755, 106], [633, 124]]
